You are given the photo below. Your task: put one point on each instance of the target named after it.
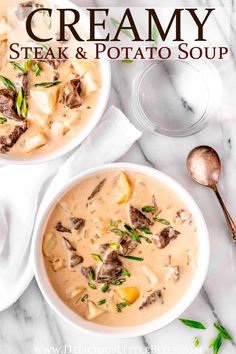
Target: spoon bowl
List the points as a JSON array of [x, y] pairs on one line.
[[204, 166]]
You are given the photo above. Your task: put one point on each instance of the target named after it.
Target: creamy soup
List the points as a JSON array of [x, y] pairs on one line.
[[43, 104], [120, 248]]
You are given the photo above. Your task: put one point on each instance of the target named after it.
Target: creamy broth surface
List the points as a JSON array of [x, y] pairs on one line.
[[96, 225], [56, 114]]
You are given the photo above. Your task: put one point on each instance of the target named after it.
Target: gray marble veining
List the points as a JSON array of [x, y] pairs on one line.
[[30, 326]]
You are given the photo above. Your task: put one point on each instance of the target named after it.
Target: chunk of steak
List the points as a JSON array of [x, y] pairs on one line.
[[78, 223], [170, 232], [60, 228], [22, 81], [138, 219], [74, 259], [166, 235], [72, 92], [24, 9], [54, 63], [7, 104], [88, 272], [128, 245], [7, 142], [110, 269], [155, 296]]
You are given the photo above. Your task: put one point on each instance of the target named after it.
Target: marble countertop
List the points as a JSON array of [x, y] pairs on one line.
[[30, 326]]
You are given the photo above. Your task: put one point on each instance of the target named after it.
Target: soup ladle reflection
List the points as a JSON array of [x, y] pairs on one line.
[[204, 166]]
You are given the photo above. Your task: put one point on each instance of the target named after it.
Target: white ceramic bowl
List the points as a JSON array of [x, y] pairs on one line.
[[194, 287], [95, 116]]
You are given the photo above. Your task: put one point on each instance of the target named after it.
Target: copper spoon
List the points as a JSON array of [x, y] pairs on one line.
[[204, 166]]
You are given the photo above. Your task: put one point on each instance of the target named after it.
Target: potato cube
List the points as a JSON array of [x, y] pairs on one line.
[[34, 142], [89, 84], [45, 98]]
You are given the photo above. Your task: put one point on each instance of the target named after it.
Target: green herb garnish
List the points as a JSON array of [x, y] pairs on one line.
[[125, 272], [114, 245], [118, 281], [193, 324], [196, 341], [92, 286], [101, 302], [146, 230], [91, 276], [105, 287], [21, 105], [216, 344], [24, 69], [134, 258], [36, 69], [96, 256], [147, 239], [162, 221], [119, 232], [3, 120], [48, 84], [8, 83], [85, 297], [225, 334], [115, 223], [121, 305], [148, 209], [127, 61], [133, 233], [155, 34]]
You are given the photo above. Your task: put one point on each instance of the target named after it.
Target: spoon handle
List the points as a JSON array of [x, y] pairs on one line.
[[228, 217]]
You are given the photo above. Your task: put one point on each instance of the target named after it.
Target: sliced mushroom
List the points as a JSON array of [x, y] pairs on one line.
[[56, 263], [93, 310], [75, 259], [78, 223], [138, 219], [110, 269], [60, 228], [97, 189], [182, 216], [172, 272], [155, 296], [149, 274]]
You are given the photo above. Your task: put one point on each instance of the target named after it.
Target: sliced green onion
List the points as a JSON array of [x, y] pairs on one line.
[[118, 281], [101, 302], [105, 287], [162, 221], [125, 272], [3, 120], [92, 286], [122, 305], [134, 258], [148, 209], [96, 256]]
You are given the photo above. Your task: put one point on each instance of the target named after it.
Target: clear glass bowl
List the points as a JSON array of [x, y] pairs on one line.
[[176, 97]]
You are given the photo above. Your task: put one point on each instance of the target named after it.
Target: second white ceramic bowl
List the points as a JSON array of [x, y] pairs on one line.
[[194, 287]]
